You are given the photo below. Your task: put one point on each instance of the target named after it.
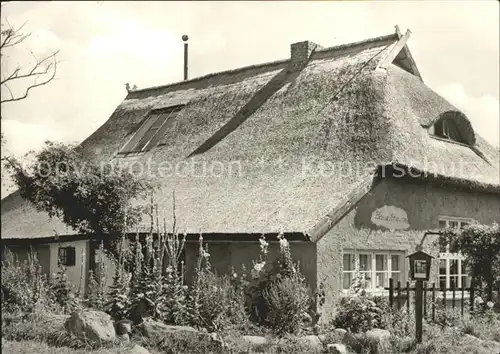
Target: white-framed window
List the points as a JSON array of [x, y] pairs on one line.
[[377, 266], [452, 270]]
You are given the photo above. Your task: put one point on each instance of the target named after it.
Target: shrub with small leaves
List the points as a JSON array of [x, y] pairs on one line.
[[287, 300], [446, 317], [214, 302], [119, 302], [24, 287], [358, 311], [62, 289]]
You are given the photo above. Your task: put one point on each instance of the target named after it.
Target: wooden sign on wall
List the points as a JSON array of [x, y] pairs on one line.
[[390, 217]]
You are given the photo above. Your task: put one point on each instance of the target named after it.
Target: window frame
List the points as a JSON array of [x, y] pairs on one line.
[[447, 129], [63, 257], [449, 257], [152, 117], [373, 272]]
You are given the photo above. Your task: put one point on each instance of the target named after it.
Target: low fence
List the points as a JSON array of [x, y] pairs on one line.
[[462, 298]]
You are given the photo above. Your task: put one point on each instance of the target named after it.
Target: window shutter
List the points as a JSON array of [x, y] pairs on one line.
[[71, 256]]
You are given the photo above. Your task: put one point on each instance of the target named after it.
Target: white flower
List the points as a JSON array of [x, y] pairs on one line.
[[263, 245], [258, 266], [235, 275], [205, 254], [283, 242], [489, 304], [479, 300]]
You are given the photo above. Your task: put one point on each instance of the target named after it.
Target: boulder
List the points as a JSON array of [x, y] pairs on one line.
[[255, 343], [137, 349], [492, 345], [338, 334], [379, 339], [312, 342], [352, 340], [379, 334], [91, 325], [337, 349], [470, 339]]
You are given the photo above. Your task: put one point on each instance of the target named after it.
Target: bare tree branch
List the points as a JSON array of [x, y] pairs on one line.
[[45, 67]]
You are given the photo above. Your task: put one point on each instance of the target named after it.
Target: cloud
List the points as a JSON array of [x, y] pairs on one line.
[[23, 137], [483, 111]]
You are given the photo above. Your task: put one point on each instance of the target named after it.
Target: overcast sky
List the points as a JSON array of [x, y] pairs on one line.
[[104, 45]]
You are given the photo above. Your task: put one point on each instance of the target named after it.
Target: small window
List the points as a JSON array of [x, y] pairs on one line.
[[151, 131], [446, 129], [66, 256]]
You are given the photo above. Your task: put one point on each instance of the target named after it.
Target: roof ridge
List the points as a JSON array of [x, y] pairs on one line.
[[262, 65]]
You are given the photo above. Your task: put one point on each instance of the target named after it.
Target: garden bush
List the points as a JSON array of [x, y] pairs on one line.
[[215, 302], [24, 288], [287, 299], [277, 294], [358, 312]]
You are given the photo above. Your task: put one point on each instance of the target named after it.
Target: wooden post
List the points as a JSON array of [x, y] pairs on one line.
[[471, 298], [453, 296], [433, 301], [462, 301], [391, 292], [408, 296], [444, 297], [418, 310], [399, 295], [425, 300]]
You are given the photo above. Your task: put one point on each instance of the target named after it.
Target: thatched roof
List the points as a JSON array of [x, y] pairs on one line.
[[280, 128]]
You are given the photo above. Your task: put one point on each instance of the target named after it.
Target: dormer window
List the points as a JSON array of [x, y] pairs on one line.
[[151, 131], [446, 129], [453, 126]]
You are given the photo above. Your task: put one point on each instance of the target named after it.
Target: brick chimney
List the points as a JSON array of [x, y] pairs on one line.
[[300, 54]]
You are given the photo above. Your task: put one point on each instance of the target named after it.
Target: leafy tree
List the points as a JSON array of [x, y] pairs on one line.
[[92, 198], [480, 245]]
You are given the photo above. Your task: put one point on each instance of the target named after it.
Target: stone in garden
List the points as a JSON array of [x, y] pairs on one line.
[[90, 324], [337, 349], [470, 339], [339, 334], [312, 342], [492, 345], [380, 340], [351, 340], [254, 342], [137, 349]]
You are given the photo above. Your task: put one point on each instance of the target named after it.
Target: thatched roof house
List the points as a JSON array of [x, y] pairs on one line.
[[290, 145]]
